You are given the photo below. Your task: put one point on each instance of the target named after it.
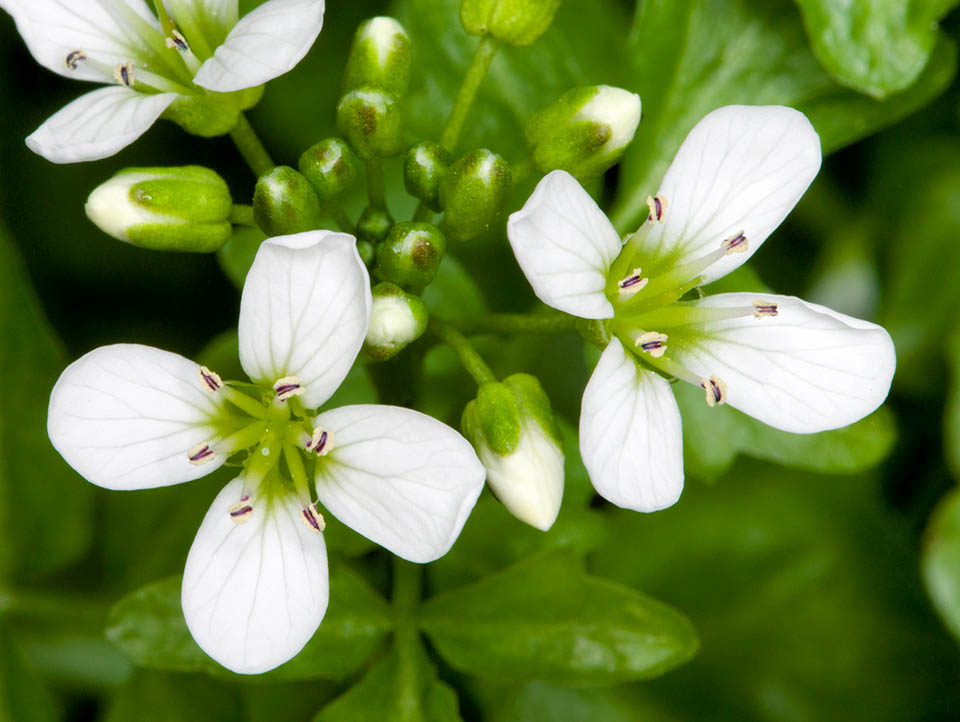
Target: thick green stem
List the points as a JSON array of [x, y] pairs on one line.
[[520, 323], [250, 147], [340, 217], [468, 91], [407, 590], [423, 214], [376, 186], [469, 358], [242, 215]]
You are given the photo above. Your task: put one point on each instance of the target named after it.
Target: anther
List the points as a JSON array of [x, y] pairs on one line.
[[123, 74], [176, 40], [321, 443], [200, 454], [632, 283], [657, 206], [287, 387], [652, 343], [211, 379], [240, 512], [763, 308], [715, 389], [73, 59], [735, 244], [313, 519]]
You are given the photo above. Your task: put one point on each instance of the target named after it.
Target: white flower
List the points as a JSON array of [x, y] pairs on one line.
[[255, 584], [154, 62], [791, 364]]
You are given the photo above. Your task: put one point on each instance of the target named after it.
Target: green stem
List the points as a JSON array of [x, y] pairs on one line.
[[521, 170], [468, 91], [340, 217], [407, 590], [520, 323], [376, 186], [423, 214], [250, 147], [469, 358], [242, 215]]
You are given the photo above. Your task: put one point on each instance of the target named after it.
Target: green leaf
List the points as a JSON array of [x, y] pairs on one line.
[[693, 56], [877, 47], [22, 696], [149, 626], [714, 437], [402, 686], [45, 507], [152, 696], [546, 619], [940, 562]]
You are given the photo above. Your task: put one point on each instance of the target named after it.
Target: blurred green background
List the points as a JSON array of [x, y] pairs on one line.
[[817, 583]]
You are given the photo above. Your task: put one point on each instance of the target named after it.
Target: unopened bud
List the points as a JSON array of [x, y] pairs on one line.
[[330, 166], [515, 22], [166, 209], [473, 193], [516, 437], [373, 225], [423, 168], [585, 131], [284, 202], [411, 255], [370, 119], [379, 57], [397, 318]]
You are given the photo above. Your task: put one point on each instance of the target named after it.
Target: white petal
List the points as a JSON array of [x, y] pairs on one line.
[[52, 29], [125, 417], [808, 369], [742, 168], [97, 124], [266, 43], [565, 246], [399, 477], [630, 434], [304, 311], [254, 592]]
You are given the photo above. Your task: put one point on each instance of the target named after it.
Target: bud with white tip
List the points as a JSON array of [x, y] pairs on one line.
[[511, 425], [166, 209], [585, 131], [397, 319]]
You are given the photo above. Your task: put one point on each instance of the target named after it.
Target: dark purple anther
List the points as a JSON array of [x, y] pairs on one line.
[[73, 59], [242, 511], [201, 454], [630, 281], [212, 380], [311, 519], [736, 243]]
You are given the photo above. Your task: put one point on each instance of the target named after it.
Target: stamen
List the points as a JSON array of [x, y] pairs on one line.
[[313, 519], [287, 387], [715, 389], [763, 308], [211, 379], [321, 443], [652, 343], [657, 206], [123, 74], [200, 454], [176, 40], [735, 244], [632, 283], [73, 59], [241, 511]]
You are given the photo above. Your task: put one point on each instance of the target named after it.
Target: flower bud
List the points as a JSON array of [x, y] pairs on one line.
[[374, 224], [585, 131], [515, 22], [284, 202], [166, 209], [516, 437], [411, 255], [370, 119], [423, 168], [330, 166], [396, 319], [379, 57], [473, 193]]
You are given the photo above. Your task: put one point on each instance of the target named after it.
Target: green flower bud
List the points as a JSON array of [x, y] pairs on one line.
[[473, 193], [330, 166], [512, 427], [284, 202], [411, 255], [396, 320], [370, 119], [366, 251], [166, 209], [515, 22], [585, 131], [423, 168], [203, 115], [379, 57], [374, 224]]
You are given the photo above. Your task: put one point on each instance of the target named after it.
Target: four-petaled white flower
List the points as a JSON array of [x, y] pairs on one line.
[[176, 61], [255, 583], [794, 365]]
